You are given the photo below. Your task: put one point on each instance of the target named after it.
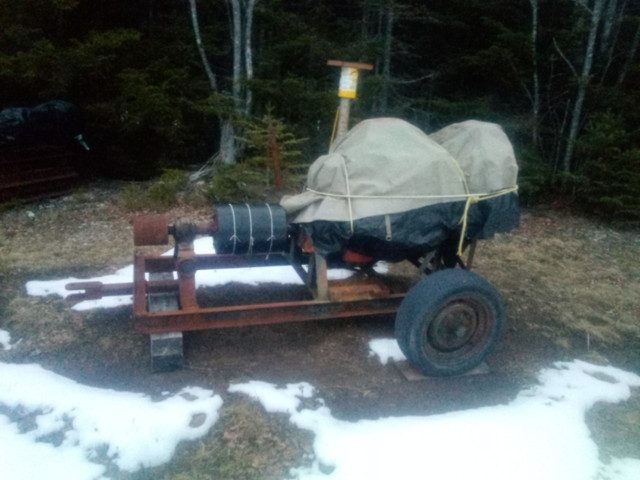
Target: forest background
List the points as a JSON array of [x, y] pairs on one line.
[[166, 84]]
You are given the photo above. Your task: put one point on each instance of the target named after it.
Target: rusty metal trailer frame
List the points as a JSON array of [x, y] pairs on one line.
[[191, 316], [364, 294], [332, 298]]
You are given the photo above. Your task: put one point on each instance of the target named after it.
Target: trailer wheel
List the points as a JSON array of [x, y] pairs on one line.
[[449, 322]]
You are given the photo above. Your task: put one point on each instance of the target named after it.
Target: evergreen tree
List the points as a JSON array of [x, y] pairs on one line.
[[550, 71]]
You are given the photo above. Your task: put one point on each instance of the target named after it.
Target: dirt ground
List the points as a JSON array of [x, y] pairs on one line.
[[570, 287]]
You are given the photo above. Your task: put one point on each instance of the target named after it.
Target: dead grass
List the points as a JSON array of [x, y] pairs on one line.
[[615, 428], [582, 278], [89, 229], [77, 231], [43, 324], [245, 444]]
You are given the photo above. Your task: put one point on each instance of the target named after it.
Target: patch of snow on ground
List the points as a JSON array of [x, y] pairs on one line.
[[5, 340], [86, 423], [541, 434], [43, 288], [386, 349]]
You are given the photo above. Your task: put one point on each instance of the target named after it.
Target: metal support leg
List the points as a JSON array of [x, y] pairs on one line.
[[167, 351], [322, 282]]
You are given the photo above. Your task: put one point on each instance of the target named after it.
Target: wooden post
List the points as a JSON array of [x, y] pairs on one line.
[[343, 117], [321, 280], [347, 90]]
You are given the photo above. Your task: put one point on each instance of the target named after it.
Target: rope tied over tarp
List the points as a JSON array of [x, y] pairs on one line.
[[272, 237], [233, 237], [475, 199], [470, 198]]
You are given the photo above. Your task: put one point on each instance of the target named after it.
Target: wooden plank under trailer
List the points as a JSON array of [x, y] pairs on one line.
[[459, 331]]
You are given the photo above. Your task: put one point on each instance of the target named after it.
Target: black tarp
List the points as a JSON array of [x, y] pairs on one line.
[[415, 232], [56, 122]]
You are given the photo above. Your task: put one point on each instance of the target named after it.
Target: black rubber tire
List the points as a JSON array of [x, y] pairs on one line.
[[449, 322]]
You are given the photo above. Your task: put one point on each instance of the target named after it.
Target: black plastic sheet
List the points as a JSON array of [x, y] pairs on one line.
[[56, 122], [245, 229], [413, 233]]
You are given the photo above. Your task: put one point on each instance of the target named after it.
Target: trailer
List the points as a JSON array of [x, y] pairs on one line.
[[352, 216], [446, 324]]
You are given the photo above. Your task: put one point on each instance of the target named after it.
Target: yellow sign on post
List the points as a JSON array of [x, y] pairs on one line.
[[348, 82], [346, 92]]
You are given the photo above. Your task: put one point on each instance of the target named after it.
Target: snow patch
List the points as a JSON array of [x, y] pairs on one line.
[[5, 340], [88, 423], [541, 434], [386, 349]]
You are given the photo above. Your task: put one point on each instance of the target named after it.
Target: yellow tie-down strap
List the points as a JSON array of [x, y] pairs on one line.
[[471, 199]]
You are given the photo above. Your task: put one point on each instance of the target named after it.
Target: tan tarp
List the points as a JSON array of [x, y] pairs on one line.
[[387, 165], [484, 153]]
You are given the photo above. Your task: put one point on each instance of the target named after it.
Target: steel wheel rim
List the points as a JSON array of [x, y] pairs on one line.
[[458, 327]]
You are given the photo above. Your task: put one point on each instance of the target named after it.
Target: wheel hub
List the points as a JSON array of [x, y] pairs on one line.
[[453, 327]]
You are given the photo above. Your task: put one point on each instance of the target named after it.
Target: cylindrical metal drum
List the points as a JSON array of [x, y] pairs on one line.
[[244, 229], [150, 230]]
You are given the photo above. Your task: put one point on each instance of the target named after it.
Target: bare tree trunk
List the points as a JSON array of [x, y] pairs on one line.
[[535, 97], [240, 46], [236, 39], [609, 13], [203, 56], [228, 145], [630, 57], [241, 41], [386, 64], [241, 35], [248, 54], [364, 22], [583, 83], [227, 140], [611, 22]]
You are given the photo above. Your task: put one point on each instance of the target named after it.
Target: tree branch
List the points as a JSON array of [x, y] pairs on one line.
[[203, 56], [413, 80], [563, 56]]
